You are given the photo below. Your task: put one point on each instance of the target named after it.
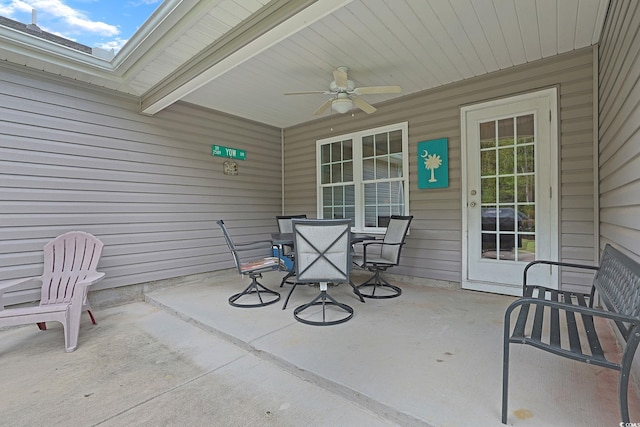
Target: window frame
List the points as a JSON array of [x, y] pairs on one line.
[[358, 179]]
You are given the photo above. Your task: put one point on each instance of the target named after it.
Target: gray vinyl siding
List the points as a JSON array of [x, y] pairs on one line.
[[73, 157], [619, 129], [433, 249]]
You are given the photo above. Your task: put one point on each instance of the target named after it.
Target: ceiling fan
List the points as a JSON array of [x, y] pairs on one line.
[[344, 94]]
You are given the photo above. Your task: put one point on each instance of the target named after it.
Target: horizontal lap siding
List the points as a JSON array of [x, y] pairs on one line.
[[76, 158], [620, 127], [433, 250]]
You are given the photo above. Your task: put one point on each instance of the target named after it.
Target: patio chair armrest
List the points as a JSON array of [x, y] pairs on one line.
[[256, 244], [381, 243], [377, 243], [369, 243]]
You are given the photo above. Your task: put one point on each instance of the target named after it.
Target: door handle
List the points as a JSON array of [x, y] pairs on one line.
[[472, 204]]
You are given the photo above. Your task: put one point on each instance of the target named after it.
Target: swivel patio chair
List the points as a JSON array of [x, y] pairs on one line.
[[252, 259], [323, 256], [69, 269], [380, 255], [285, 226]]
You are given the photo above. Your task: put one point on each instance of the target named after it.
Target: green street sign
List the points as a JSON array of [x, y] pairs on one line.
[[231, 153]]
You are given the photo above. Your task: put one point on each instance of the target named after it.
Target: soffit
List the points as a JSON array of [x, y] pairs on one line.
[[241, 56]]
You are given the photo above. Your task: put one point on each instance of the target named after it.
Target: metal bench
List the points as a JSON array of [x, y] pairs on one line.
[[562, 322]]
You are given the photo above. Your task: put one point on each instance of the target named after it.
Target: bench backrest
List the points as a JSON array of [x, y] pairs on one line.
[[618, 284]]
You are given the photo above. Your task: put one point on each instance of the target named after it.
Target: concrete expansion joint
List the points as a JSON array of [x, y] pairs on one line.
[[380, 409]]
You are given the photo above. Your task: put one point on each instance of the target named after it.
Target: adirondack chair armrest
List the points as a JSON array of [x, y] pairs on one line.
[[91, 279], [6, 285], [80, 293]]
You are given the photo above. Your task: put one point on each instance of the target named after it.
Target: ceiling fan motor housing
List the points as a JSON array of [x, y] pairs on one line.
[[333, 87]]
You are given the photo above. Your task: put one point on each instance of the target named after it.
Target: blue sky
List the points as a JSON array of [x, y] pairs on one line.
[[96, 23]]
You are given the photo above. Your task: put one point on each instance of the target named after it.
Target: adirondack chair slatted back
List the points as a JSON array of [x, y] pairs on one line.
[[69, 258]]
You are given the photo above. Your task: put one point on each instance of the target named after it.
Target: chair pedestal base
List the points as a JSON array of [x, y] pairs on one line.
[[377, 281], [286, 278], [255, 288], [355, 291], [324, 300]]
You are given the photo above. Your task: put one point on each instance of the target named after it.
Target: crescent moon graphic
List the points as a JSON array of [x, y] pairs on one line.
[[425, 154]]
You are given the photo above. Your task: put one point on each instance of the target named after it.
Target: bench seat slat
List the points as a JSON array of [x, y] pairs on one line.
[[590, 330], [521, 321], [572, 331], [538, 320], [554, 332]]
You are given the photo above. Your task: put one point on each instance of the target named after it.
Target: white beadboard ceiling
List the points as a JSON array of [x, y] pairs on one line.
[[241, 56]]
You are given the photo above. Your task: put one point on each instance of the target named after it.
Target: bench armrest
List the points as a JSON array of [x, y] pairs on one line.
[[556, 263], [596, 312]]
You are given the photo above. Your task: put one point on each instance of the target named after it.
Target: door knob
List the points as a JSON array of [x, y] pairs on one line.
[[472, 204]]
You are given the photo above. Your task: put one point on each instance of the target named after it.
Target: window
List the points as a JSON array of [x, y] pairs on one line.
[[364, 176]]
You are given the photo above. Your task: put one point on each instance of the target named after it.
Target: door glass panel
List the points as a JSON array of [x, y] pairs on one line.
[[488, 190], [487, 163], [505, 158], [489, 245], [507, 168], [526, 187], [505, 132], [506, 189], [525, 129], [489, 216], [487, 134]]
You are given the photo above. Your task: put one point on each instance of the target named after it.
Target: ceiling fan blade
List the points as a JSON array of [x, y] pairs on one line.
[[363, 105], [376, 89], [323, 107], [309, 92], [340, 77]]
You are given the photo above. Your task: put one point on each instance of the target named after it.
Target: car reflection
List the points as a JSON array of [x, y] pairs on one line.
[[503, 223]]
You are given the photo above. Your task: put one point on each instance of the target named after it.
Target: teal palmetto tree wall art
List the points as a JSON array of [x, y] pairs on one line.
[[433, 163]]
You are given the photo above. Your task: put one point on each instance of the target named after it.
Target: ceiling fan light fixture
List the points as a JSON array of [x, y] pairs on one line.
[[342, 105]]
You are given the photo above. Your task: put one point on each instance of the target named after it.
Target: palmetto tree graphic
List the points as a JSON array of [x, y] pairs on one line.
[[431, 162]]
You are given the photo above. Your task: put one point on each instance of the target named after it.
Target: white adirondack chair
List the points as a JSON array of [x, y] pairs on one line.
[[70, 262]]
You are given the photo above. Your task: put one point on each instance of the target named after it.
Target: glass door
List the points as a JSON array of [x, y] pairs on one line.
[[509, 191]]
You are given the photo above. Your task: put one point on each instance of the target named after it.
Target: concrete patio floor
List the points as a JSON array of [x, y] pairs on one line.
[[432, 357]]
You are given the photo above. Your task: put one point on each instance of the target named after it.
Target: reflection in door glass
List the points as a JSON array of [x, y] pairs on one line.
[[507, 174]]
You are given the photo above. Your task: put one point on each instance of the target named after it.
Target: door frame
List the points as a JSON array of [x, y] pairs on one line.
[[554, 238]]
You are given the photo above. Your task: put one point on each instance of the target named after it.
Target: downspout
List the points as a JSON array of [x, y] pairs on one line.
[[596, 153], [282, 171]]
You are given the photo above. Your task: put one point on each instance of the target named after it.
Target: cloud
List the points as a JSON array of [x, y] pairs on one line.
[[115, 44], [147, 2], [76, 21]]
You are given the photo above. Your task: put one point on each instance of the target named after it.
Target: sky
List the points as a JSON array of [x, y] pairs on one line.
[[107, 24]]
